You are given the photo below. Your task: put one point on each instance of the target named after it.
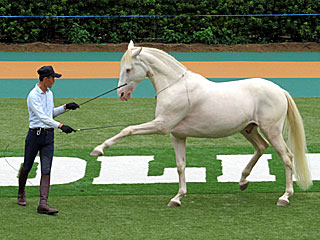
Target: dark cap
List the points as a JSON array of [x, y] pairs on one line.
[[47, 71]]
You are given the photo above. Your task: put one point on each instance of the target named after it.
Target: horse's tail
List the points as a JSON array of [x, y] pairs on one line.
[[297, 144]]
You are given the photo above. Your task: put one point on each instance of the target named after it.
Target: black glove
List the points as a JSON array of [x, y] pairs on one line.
[[67, 129], [72, 106]]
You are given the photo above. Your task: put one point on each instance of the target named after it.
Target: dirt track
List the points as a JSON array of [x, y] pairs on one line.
[[48, 47]]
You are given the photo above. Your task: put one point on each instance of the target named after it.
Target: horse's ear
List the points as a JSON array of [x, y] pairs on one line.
[[136, 52], [131, 45]]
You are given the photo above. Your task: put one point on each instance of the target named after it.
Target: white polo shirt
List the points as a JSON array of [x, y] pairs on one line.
[[41, 109]]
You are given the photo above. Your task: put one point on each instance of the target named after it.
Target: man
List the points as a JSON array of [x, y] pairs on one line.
[[40, 136]]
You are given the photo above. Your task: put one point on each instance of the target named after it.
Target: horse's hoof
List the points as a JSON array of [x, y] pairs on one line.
[[174, 204], [282, 202], [244, 186], [96, 153]]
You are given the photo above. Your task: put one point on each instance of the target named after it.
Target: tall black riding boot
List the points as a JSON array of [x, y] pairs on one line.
[[43, 206], [23, 176]]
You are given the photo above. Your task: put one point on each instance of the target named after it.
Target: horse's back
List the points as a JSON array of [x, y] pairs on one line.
[[257, 90], [224, 108], [252, 90]]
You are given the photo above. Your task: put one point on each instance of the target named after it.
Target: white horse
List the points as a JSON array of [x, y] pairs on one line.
[[189, 105]]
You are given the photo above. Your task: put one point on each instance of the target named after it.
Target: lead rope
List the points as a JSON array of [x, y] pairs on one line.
[[81, 129]]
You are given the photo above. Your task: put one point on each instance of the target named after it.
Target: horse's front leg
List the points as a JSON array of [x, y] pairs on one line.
[[179, 145], [153, 127]]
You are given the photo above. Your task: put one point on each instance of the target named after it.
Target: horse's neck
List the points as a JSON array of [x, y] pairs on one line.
[[164, 70]]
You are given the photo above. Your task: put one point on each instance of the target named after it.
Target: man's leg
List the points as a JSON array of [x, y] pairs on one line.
[[30, 153], [43, 206], [46, 156], [23, 176]]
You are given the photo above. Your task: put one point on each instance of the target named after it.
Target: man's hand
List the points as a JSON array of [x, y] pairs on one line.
[[67, 129], [72, 106]]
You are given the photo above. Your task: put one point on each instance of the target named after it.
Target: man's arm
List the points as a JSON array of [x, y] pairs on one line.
[[58, 110], [62, 109]]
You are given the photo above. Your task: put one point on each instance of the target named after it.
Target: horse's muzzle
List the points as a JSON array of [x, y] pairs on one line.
[[125, 95]]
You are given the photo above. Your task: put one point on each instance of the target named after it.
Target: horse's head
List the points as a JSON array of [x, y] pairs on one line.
[[132, 71]]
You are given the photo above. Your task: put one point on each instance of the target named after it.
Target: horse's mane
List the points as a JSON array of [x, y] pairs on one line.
[[166, 55], [127, 55]]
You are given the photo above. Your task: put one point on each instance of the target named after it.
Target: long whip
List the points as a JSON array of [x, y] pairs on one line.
[[110, 126]]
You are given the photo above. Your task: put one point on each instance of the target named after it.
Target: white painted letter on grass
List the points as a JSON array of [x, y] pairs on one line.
[[64, 170], [134, 170], [232, 166]]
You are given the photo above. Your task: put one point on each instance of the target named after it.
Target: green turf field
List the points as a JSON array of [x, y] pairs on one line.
[[210, 216], [211, 210]]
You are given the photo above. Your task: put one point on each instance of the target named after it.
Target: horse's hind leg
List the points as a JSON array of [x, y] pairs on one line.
[[275, 138], [179, 145], [252, 134]]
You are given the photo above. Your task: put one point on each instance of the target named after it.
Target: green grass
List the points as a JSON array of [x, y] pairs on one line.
[[213, 216], [211, 210]]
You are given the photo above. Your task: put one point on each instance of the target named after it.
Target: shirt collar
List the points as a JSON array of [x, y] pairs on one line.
[[39, 90]]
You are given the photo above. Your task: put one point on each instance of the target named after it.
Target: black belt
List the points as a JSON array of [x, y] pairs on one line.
[[39, 130]]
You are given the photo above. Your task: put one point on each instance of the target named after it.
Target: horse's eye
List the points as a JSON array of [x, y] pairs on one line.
[[128, 70]]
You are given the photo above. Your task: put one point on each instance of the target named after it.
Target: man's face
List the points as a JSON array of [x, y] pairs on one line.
[[49, 81]]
